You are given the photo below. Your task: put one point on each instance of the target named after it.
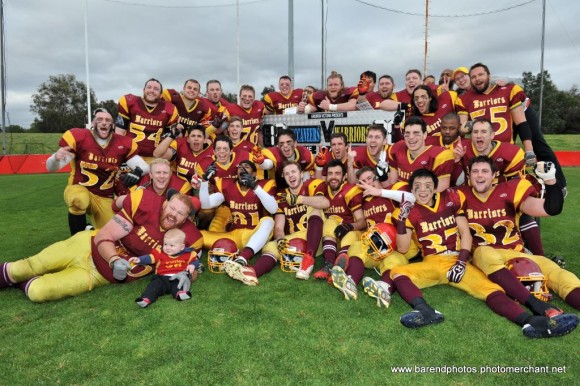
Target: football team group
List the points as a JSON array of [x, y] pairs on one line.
[[448, 198]]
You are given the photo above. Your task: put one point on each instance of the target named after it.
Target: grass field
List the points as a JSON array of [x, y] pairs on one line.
[[282, 332], [37, 143]]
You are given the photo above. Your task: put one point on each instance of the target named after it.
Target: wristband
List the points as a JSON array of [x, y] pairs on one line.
[[401, 228], [332, 107], [464, 255], [112, 259]]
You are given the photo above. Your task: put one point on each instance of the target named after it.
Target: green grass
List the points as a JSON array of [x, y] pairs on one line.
[[282, 332], [38, 143]]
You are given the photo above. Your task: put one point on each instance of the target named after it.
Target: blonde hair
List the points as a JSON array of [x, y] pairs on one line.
[[175, 234], [334, 74]]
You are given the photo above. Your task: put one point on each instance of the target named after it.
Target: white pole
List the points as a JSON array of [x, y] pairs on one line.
[[238, 47], [291, 40], [87, 66], [322, 83], [3, 77], [542, 63]]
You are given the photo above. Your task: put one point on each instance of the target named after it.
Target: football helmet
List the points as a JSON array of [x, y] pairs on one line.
[[291, 256], [531, 276], [221, 251], [380, 241]]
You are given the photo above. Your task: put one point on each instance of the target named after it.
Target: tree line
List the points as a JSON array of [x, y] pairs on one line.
[[60, 104]]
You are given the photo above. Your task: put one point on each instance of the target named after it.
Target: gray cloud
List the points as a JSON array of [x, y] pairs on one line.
[[129, 44]]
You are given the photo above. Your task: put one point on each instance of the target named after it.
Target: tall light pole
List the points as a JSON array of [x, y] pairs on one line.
[[426, 39], [291, 39], [3, 77], [542, 63], [87, 66]]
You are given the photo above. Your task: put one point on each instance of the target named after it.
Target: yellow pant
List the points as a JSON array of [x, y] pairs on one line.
[[391, 261], [64, 269], [433, 271], [330, 225], [80, 201], [272, 247], [239, 236], [561, 281]]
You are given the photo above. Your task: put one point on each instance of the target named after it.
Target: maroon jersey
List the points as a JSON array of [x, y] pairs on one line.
[[435, 228], [170, 265], [229, 170], [378, 210], [346, 95], [147, 123], [437, 140], [176, 183], [496, 105], [186, 160], [200, 110], [493, 221], [143, 208], [375, 99], [363, 157], [437, 159], [296, 216], [329, 157], [433, 120], [252, 119], [276, 103], [246, 207], [344, 203], [243, 146], [508, 159], [94, 166], [301, 155]]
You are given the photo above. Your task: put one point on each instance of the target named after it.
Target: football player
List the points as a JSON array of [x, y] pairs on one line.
[[95, 156], [86, 261], [234, 131], [247, 200], [492, 212], [218, 121], [344, 217], [285, 99], [374, 154], [338, 150], [299, 216], [251, 111], [438, 223], [412, 153], [373, 250], [335, 98], [383, 93], [430, 108], [144, 118], [501, 105], [191, 108]]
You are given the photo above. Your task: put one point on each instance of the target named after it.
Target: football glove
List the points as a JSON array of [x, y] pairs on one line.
[[132, 178], [195, 182], [321, 157], [209, 172], [545, 170], [341, 230], [247, 180], [456, 272], [289, 198], [120, 269], [171, 132], [383, 171], [363, 86], [257, 156], [399, 115], [282, 245], [405, 209], [219, 120], [184, 278], [530, 159]]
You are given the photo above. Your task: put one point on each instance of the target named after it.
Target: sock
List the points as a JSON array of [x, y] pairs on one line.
[[531, 235], [76, 223], [504, 306], [246, 253], [407, 289], [313, 235], [537, 306], [511, 285], [329, 251], [343, 249], [573, 298], [4, 278], [386, 277], [356, 269], [24, 285], [264, 264]]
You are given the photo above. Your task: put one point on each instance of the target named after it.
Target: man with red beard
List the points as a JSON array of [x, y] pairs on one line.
[[286, 97], [251, 111], [87, 261], [344, 217], [144, 118], [95, 156], [334, 98], [299, 216]]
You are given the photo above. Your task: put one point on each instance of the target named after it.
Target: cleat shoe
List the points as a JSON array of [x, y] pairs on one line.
[[142, 302], [324, 272], [542, 327], [236, 271], [241, 261], [416, 319], [378, 290], [183, 295], [306, 267], [342, 261], [344, 283]]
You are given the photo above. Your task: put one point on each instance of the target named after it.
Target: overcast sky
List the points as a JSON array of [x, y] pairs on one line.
[[179, 39]]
